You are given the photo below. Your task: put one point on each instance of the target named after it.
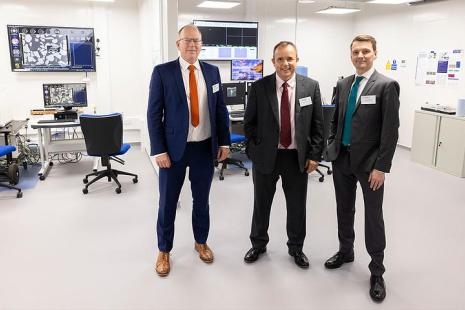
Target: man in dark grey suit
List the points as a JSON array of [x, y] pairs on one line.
[[283, 124], [361, 144]]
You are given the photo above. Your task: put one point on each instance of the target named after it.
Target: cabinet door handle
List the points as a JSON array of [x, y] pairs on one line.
[[439, 143]]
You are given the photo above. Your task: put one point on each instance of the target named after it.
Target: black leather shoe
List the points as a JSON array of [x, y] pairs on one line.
[[377, 288], [300, 259], [253, 254], [338, 259]]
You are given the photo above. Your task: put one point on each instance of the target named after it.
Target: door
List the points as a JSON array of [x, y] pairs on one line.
[[451, 146], [424, 141]]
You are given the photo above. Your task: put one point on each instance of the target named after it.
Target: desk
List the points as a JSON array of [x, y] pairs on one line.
[[48, 146]]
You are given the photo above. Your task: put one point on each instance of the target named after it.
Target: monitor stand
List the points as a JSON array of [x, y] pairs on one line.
[[67, 113]]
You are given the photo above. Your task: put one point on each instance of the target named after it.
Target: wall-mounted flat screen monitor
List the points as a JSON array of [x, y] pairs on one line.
[[234, 93], [66, 95], [226, 40], [246, 69], [48, 48]]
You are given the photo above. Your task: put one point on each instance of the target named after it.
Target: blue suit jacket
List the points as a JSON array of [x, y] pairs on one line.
[[168, 113]]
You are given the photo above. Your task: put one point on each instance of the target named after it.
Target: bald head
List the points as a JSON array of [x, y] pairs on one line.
[[189, 43], [188, 27]]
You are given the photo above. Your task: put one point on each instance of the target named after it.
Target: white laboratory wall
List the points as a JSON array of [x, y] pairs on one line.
[[322, 41], [401, 34], [136, 35], [116, 86]]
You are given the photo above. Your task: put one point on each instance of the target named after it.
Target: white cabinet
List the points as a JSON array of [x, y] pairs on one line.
[[439, 142]]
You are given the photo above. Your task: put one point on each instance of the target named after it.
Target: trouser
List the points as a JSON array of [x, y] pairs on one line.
[[345, 185], [294, 183], [198, 157]]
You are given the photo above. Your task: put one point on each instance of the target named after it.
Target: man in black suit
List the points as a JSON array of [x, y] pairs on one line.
[[283, 124], [362, 142]]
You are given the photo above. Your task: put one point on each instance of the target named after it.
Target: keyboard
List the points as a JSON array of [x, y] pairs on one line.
[[236, 114], [51, 121]]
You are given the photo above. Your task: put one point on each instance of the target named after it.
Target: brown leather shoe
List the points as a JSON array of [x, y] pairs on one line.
[[205, 253], [162, 266]]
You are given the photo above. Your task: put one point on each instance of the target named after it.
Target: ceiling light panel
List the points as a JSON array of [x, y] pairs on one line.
[[337, 11], [389, 1], [218, 4]]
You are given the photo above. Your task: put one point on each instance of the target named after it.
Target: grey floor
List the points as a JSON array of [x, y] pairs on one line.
[[60, 249]]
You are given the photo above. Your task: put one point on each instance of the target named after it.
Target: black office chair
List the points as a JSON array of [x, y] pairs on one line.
[[237, 145], [9, 171], [103, 135], [322, 176], [328, 111]]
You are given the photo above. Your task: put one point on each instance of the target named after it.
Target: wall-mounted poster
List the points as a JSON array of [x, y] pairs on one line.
[[439, 68]]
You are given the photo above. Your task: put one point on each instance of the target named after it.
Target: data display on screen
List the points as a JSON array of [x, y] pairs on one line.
[[246, 69], [226, 40], [65, 95], [44, 48]]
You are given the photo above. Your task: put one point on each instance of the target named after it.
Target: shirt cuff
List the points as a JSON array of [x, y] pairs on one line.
[[158, 155]]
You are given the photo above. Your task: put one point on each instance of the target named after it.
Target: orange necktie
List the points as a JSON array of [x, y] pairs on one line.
[[193, 97]]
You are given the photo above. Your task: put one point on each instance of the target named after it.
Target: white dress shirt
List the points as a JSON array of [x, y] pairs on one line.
[[363, 82], [203, 130], [291, 92]]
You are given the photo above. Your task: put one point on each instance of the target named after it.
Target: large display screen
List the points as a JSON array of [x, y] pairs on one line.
[[47, 48], [226, 40], [65, 95], [246, 69]]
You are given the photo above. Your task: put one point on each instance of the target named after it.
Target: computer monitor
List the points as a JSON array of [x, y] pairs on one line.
[[246, 69], [66, 95], [234, 93], [51, 49], [226, 40], [302, 70]]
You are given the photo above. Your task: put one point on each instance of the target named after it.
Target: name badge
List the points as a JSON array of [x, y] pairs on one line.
[[216, 87], [305, 101], [368, 99]]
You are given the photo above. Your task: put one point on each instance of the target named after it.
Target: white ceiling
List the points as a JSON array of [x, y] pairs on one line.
[[190, 6]]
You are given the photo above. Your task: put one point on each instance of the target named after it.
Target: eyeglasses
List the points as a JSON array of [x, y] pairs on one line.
[[187, 40]]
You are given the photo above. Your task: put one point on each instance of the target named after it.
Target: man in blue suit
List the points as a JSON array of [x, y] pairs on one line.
[[188, 125]]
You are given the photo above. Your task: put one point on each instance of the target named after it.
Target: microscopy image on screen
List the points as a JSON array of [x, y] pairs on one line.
[[45, 49], [60, 95], [51, 49]]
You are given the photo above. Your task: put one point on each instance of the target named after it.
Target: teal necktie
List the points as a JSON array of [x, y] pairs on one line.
[[350, 110]]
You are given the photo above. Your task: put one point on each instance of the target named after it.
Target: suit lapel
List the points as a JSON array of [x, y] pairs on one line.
[[367, 88], [180, 83], [299, 93], [271, 91], [345, 96]]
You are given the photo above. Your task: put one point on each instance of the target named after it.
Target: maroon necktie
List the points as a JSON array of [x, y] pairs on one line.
[[285, 133]]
